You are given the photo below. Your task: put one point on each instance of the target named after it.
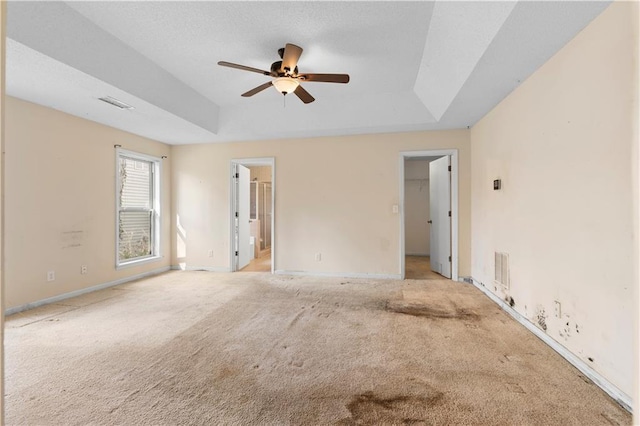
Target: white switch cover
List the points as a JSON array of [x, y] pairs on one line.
[[394, 208]]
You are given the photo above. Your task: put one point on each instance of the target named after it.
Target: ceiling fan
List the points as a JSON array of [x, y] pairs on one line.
[[286, 78]]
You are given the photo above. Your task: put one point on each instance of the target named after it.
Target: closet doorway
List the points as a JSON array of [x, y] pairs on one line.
[[429, 219], [427, 223]]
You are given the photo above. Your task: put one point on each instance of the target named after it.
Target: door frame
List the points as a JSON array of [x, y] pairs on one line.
[[404, 155], [248, 162]]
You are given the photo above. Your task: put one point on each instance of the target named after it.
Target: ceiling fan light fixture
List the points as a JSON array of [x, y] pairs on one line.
[[285, 85]]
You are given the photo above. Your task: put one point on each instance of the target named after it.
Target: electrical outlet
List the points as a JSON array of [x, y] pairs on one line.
[[318, 257], [210, 253], [83, 269], [557, 309], [51, 275]]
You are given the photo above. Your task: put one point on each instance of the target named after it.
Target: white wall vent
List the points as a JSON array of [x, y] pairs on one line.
[[501, 275]]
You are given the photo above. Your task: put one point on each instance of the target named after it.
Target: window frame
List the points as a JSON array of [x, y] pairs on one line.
[[156, 194]]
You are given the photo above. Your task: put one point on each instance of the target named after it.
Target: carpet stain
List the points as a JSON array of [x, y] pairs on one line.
[[413, 422], [369, 408], [296, 362], [585, 379], [225, 373], [614, 419], [295, 319], [515, 388], [432, 312]]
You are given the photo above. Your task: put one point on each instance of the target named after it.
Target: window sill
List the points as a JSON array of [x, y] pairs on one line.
[[137, 262]]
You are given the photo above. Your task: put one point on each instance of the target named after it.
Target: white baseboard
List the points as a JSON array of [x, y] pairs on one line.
[[418, 254], [340, 275], [64, 296], [199, 268], [622, 398]]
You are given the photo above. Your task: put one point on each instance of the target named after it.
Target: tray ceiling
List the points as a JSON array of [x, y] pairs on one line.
[[413, 65]]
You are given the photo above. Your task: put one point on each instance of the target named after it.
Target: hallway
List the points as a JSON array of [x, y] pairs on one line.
[[419, 268], [259, 264]]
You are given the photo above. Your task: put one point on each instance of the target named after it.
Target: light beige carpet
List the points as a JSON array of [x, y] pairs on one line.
[[205, 348]]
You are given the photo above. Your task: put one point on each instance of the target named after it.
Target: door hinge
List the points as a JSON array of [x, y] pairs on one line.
[[236, 253], [236, 214], [237, 176], [449, 168], [449, 258], [449, 213]]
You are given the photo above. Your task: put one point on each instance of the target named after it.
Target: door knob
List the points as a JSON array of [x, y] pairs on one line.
[[430, 221]]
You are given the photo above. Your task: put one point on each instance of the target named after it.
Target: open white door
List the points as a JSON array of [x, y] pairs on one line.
[[243, 252], [440, 215]]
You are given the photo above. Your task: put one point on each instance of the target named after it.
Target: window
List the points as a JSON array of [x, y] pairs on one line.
[[138, 208]]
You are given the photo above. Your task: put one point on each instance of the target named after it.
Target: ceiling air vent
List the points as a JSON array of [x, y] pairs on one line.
[[502, 269], [115, 102]]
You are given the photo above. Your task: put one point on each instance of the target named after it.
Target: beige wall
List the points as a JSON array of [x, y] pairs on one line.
[[3, 21], [635, 160], [416, 207], [561, 143], [334, 196], [60, 202]]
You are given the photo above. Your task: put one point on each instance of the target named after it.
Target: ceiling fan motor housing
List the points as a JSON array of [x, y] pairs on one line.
[[275, 70]]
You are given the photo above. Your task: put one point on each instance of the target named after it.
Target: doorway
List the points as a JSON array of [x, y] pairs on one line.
[[252, 215], [429, 219]]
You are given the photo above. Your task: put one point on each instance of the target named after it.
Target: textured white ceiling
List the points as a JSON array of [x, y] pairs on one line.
[[413, 65]]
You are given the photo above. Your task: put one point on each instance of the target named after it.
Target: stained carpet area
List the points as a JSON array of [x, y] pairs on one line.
[[211, 348]]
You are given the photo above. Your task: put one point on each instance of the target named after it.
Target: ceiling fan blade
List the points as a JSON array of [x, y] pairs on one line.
[[243, 67], [290, 57], [257, 89], [304, 95], [325, 78]]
